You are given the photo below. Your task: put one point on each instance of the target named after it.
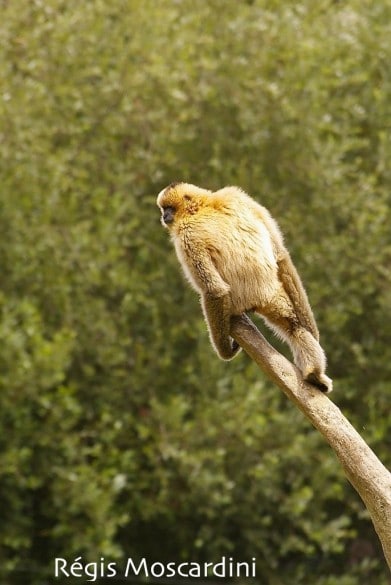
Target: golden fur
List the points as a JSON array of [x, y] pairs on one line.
[[232, 252]]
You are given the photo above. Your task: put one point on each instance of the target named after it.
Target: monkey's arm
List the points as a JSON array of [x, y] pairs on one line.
[[217, 313], [203, 272], [216, 302]]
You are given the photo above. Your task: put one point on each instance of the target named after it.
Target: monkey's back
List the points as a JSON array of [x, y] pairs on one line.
[[239, 244], [243, 255]]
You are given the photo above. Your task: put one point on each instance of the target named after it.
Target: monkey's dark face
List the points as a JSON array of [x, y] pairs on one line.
[[178, 201], [168, 214], [171, 204], [168, 202]]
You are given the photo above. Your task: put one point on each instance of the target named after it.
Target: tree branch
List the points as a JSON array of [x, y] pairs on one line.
[[364, 470]]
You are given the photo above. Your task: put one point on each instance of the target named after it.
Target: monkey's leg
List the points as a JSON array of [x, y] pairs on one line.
[[217, 311], [310, 358], [307, 352]]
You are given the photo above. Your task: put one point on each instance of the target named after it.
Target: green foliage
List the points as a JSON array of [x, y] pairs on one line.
[[121, 433]]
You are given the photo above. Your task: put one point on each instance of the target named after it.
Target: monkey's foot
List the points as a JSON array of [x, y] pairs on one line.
[[321, 381]]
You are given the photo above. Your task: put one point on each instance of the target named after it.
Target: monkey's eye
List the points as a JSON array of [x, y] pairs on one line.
[[168, 214]]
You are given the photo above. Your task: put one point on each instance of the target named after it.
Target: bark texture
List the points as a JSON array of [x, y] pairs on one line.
[[363, 469]]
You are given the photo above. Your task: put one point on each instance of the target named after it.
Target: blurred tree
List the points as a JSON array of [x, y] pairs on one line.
[[120, 433]]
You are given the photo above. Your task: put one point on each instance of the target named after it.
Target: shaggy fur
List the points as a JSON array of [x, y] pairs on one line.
[[232, 252]]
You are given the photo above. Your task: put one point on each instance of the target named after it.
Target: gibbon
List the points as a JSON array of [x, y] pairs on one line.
[[232, 252]]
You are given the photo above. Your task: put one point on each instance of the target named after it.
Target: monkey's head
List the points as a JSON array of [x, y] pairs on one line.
[[179, 201]]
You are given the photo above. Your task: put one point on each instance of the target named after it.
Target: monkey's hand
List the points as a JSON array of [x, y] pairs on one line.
[[217, 311]]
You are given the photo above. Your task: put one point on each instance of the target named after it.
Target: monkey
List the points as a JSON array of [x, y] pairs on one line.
[[232, 252]]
